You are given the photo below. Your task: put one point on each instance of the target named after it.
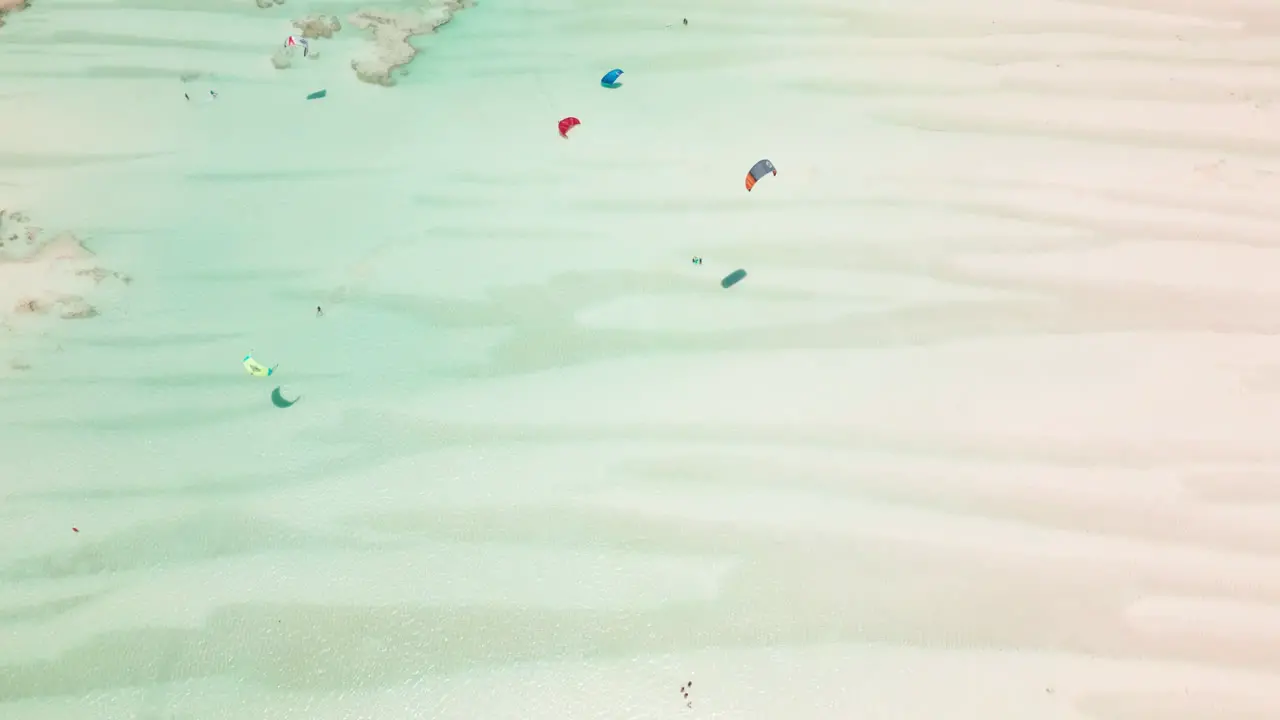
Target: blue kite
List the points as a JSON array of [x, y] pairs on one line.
[[610, 79]]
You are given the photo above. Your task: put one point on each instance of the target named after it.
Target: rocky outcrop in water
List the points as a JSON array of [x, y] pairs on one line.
[[11, 6], [310, 27], [391, 49], [317, 26], [41, 277]]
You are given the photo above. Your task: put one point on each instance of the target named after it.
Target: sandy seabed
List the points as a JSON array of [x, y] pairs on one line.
[[988, 432]]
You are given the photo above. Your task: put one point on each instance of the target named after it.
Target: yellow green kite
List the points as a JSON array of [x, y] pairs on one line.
[[255, 369]]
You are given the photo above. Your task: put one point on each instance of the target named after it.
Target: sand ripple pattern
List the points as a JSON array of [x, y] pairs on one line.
[[988, 433]]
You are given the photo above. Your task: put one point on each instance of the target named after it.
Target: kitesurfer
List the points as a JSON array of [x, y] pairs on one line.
[[186, 96], [319, 312]]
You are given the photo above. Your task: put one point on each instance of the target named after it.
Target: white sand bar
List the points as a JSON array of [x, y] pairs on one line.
[[988, 432]]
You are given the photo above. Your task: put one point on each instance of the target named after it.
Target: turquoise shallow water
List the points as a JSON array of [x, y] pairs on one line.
[[544, 466]]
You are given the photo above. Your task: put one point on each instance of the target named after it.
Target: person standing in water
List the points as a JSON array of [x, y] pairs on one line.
[[319, 312]]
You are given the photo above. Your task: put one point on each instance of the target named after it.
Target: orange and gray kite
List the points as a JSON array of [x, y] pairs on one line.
[[758, 171]]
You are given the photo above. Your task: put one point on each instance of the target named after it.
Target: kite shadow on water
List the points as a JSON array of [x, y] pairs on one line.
[[279, 401]]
